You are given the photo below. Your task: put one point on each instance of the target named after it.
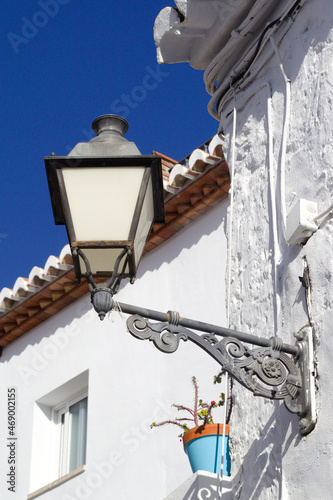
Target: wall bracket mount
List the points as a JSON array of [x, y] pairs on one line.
[[271, 369]]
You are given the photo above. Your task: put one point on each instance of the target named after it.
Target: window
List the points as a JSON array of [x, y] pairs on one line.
[[71, 419], [59, 439]]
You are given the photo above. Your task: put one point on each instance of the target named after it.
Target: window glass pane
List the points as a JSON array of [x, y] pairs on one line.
[[78, 434]]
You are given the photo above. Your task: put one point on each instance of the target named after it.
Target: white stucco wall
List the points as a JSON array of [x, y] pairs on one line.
[[272, 459], [131, 383]]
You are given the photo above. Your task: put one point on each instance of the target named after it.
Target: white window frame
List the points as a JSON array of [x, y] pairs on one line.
[[45, 446], [63, 432]]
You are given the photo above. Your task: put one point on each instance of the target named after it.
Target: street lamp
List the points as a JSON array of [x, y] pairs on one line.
[[108, 196]]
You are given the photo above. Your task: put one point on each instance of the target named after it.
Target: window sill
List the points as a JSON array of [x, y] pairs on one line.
[[57, 482]]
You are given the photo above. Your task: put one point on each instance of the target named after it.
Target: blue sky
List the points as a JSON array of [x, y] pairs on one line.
[[65, 62]]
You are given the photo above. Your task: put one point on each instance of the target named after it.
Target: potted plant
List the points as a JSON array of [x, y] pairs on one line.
[[203, 442]]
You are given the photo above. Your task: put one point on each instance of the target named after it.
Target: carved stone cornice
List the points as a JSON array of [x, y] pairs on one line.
[[223, 37]]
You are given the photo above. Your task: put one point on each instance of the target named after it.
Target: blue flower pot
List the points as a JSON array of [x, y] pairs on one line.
[[203, 445]]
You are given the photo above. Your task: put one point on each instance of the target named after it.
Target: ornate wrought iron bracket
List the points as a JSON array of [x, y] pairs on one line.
[[272, 370]]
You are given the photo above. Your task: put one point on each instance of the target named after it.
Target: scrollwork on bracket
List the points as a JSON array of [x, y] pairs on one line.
[[158, 333], [265, 371]]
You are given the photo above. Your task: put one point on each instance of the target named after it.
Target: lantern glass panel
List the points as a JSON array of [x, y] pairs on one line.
[[102, 201], [145, 222], [102, 260]]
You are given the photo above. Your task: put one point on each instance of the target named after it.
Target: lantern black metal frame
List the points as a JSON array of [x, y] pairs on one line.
[[62, 213]]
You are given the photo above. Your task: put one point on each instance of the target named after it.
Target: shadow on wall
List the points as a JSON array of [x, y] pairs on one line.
[[206, 485], [262, 467], [189, 236], [67, 326]]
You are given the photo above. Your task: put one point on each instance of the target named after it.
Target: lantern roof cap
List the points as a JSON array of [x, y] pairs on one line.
[[109, 140]]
